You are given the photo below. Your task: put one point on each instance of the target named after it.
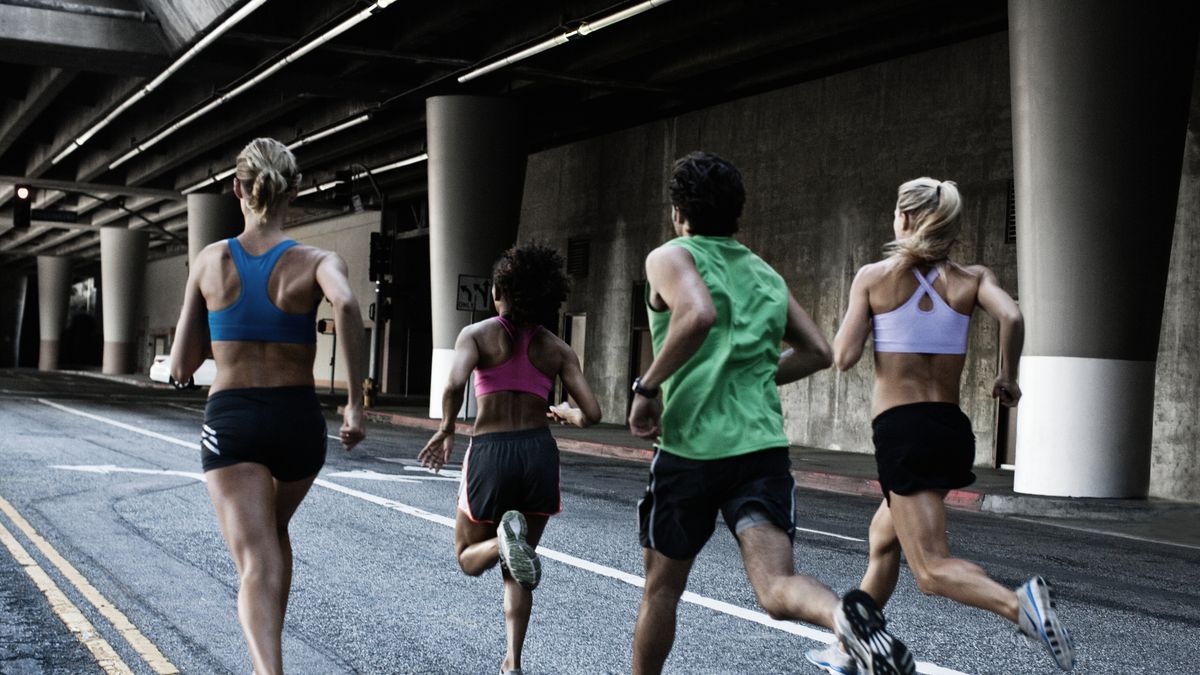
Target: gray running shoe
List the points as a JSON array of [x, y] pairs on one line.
[[1038, 620], [832, 660], [516, 556], [862, 630]]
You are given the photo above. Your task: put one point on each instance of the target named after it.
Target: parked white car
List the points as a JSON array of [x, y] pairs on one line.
[[160, 371]]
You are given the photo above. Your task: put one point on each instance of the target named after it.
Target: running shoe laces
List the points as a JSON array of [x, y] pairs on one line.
[[1038, 620], [832, 659], [862, 630], [516, 556]]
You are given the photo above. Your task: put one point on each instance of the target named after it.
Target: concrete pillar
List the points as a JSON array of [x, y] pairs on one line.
[[476, 178], [1100, 93], [54, 294], [122, 271], [211, 218], [13, 287]]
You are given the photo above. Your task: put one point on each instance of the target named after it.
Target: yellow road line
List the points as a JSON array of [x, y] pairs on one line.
[[146, 649], [75, 621]]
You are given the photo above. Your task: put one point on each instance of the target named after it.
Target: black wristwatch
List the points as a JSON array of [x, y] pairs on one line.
[[642, 390]]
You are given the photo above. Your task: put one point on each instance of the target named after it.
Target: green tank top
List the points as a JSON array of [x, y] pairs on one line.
[[723, 401]]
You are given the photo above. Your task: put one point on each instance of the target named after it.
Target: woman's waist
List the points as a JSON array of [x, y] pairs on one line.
[[243, 365], [889, 394]]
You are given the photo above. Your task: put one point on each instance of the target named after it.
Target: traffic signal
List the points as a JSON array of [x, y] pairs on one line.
[[380, 260], [22, 207]]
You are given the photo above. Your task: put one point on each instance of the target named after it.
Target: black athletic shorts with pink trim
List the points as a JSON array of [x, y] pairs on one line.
[[510, 471], [679, 511]]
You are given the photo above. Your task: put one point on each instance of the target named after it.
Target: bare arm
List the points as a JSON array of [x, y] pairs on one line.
[[191, 333], [333, 278], [808, 349], [856, 326], [1000, 305], [588, 412], [466, 355], [674, 280]]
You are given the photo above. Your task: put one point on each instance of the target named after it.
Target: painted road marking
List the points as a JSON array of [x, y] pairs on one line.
[[817, 635], [367, 474], [187, 408], [76, 622], [1119, 535], [146, 649], [109, 468], [828, 534]]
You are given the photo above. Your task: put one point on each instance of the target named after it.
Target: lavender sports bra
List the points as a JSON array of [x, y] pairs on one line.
[[908, 329], [517, 373]]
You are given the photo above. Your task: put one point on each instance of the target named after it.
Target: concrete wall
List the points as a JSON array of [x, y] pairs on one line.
[[821, 162], [1175, 460]]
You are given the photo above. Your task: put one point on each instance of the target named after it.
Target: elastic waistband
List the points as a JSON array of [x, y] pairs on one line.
[[518, 435], [298, 391], [921, 406]]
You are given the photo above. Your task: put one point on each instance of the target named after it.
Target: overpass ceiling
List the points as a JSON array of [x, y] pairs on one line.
[[65, 71]]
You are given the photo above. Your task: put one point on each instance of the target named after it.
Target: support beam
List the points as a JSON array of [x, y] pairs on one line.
[[79, 41], [44, 88], [104, 189]]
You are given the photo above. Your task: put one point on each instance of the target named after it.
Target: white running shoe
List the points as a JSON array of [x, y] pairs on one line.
[[1038, 620], [516, 556], [832, 660], [862, 630]]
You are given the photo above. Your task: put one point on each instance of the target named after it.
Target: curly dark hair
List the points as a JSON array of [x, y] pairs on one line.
[[708, 192], [531, 278]]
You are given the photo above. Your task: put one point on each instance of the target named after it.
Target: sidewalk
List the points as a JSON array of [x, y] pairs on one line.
[[854, 474]]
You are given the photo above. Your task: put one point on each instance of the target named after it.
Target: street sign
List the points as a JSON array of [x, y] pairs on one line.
[[474, 293]]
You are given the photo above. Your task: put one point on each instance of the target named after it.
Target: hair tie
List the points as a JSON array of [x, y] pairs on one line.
[[937, 194]]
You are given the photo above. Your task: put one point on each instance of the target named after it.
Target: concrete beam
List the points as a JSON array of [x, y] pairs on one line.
[[80, 41], [94, 188], [16, 117]]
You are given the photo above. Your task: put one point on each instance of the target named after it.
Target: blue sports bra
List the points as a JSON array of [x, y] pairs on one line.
[[911, 330], [253, 317]]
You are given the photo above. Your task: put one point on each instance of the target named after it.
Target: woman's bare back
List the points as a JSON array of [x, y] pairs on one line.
[[292, 287]]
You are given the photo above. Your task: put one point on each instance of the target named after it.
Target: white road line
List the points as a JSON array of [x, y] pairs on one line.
[[187, 408], [372, 475], [828, 534], [1119, 535], [109, 468], [822, 636]]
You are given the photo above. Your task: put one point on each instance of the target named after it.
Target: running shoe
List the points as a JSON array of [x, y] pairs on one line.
[[862, 630], [832, 660], [516, 556], [1038, 620]]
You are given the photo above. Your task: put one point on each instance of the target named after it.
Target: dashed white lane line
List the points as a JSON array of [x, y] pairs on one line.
[[814, 634]]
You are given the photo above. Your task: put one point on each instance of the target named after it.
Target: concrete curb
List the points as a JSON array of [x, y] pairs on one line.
[[968, 500]]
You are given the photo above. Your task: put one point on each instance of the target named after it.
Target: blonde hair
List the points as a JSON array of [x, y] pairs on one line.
[[932, 207], [267, 171]]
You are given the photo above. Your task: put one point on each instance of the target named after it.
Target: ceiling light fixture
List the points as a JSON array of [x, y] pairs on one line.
[[138, 95], [408, 161], [275, 67], [299, 142], [585, 28]]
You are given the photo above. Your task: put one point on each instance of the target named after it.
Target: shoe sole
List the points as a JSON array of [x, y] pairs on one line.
[[862, 630], [518, 557], [827, 667], [1054, 635]]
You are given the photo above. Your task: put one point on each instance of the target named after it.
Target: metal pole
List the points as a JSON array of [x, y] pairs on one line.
[[332, 360]]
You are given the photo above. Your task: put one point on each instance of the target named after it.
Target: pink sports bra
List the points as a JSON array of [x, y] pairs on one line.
[[517, 373], [908, 329]]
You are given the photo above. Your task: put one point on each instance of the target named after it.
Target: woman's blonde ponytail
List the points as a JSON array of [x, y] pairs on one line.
[[932, 207], [268, 173]]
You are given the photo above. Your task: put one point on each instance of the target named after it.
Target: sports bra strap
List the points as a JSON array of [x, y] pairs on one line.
[[927, 283]]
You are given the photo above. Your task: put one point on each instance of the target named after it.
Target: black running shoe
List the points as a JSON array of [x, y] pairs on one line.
[[862, 629]]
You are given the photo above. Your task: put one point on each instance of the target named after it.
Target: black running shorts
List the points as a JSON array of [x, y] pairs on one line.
[[510, 471], [923, 446], [281, 428], [679, 510]]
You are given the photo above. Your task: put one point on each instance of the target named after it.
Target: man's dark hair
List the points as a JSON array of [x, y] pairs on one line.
[[708, 192], [531, 278]]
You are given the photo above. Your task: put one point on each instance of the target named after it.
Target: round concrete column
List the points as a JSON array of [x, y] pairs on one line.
[[211, 218], [13, 289], [1100, 94], [54, 293], [122, 273], [476, 178]]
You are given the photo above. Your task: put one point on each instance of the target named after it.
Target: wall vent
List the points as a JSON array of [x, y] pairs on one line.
[[1010, 219], [579, 253]]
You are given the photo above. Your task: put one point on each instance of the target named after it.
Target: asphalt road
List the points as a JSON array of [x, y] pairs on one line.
[[108, 475]]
